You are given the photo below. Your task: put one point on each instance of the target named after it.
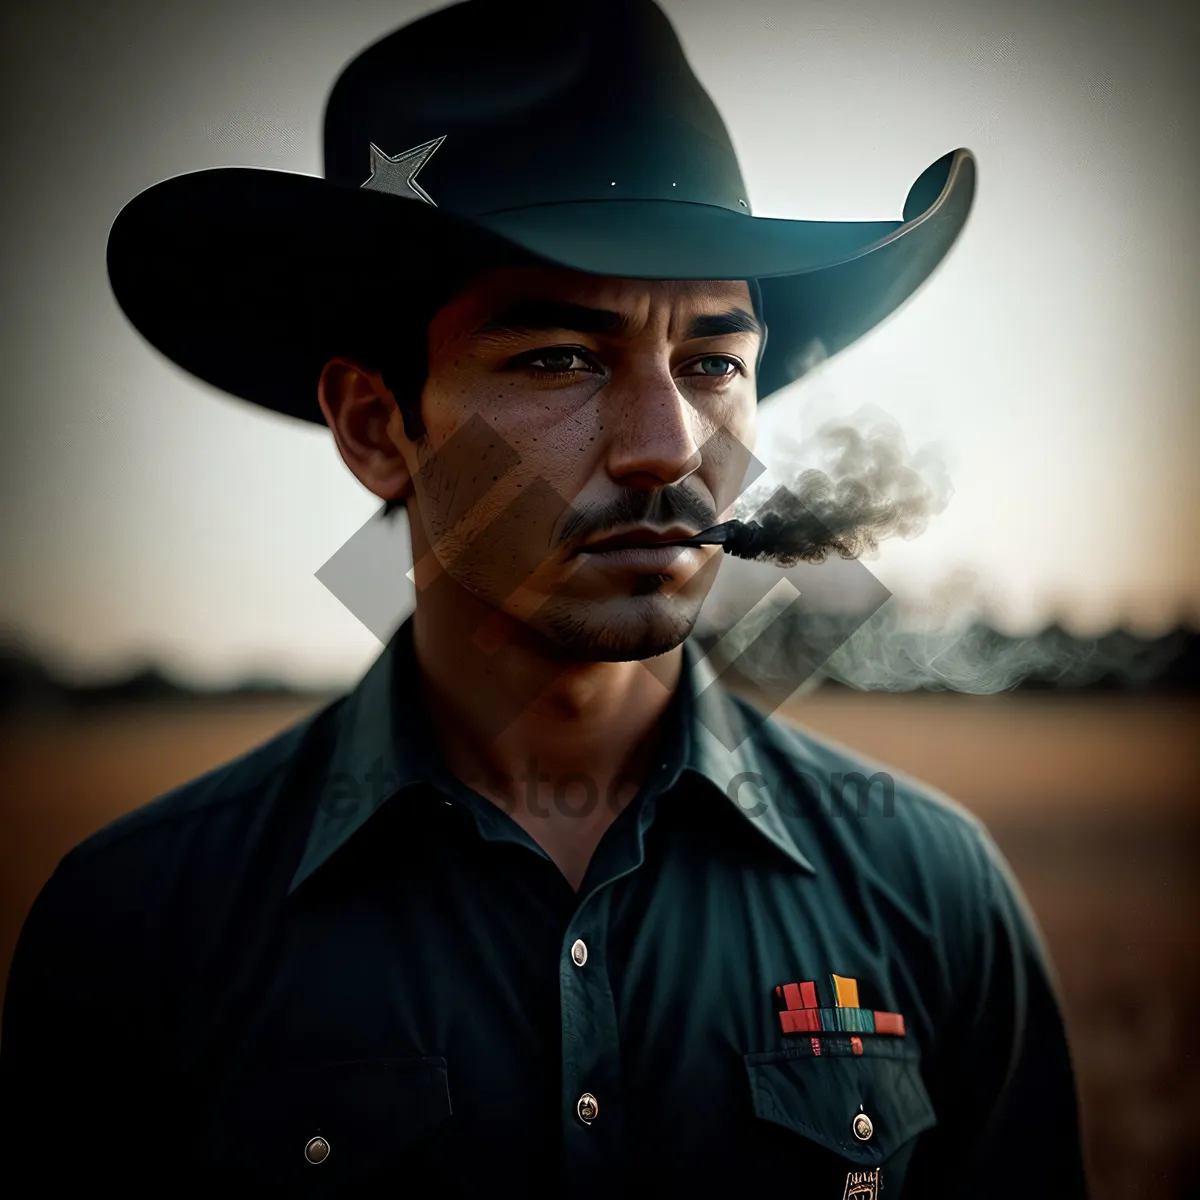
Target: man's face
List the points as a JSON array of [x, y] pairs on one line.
[[614, 403]]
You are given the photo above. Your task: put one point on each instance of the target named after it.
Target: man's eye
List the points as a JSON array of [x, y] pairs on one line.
[[557, 362], [722, 363]]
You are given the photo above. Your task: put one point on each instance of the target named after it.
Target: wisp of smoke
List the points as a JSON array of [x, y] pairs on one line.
[[786, 650], [871, 489]]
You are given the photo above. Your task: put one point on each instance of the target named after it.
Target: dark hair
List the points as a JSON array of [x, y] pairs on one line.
[[393, 339]]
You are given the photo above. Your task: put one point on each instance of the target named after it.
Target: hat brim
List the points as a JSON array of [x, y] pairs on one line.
[[234, 273]]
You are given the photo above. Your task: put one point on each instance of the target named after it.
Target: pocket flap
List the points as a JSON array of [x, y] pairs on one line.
[[363, 1112], [820, 1097]]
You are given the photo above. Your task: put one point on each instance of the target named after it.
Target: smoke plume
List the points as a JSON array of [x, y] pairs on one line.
[[868, 487], [947, 642]]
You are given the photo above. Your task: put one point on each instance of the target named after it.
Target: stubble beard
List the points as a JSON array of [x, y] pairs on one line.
[[640, 626]]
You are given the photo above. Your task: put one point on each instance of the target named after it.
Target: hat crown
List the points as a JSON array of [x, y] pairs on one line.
[[530, 102]]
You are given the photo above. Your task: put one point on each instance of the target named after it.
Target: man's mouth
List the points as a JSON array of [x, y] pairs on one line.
[[638, 538]]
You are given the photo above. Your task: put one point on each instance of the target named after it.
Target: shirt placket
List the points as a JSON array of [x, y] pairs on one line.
[[593, 1109]]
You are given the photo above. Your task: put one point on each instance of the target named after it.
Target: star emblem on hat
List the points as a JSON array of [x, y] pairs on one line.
[[397, 173]]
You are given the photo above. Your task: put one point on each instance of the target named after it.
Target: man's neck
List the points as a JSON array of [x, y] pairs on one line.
[[562, 746]]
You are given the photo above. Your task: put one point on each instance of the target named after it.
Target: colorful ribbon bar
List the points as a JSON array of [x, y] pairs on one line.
[[802, 1014]]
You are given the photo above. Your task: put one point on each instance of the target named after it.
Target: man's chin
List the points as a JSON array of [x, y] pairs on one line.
[[629, 630]]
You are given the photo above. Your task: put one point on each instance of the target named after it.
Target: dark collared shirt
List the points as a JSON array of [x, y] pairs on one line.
[[329, 966]]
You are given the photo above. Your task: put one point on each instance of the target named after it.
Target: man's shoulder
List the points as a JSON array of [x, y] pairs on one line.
[[215, 807], [872, 830], [155, 890], [830, 793]]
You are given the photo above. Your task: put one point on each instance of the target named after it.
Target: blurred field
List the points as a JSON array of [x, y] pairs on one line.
[[1093, 797]]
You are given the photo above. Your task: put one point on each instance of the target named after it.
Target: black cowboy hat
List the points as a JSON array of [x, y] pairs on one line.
[[500, 132]]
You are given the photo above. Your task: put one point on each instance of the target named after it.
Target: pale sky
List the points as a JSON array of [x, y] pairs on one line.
[[1054, 356]]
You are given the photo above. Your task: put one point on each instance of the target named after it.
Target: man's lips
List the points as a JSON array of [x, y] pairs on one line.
[[640, 538]]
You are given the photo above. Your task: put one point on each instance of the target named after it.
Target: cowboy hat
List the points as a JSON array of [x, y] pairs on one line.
[[500, 132]]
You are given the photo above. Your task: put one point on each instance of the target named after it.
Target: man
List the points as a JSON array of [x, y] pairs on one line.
[[538, 908]]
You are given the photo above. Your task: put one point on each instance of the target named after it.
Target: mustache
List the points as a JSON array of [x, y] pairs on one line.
[[662, 506]]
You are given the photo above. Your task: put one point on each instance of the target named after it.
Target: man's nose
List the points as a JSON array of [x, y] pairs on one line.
[[655, 442]]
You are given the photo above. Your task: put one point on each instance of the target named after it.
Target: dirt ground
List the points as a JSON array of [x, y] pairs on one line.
[[1094, 799]]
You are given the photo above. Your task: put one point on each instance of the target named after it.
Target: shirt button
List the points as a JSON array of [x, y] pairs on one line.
[[863, 1127], [579, 952], [586, 1108], [317, 1150]]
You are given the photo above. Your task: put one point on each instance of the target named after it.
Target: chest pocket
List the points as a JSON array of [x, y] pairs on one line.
[[822, 1098], [316, 1129]]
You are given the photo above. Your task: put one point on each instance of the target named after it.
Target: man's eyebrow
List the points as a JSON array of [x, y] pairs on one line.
[[526, 316], [735, 320]]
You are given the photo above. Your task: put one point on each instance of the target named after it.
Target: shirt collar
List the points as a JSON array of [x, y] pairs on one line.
[[385, 745]]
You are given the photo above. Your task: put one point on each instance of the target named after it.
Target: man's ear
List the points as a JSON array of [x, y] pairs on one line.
[[368, 428]]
